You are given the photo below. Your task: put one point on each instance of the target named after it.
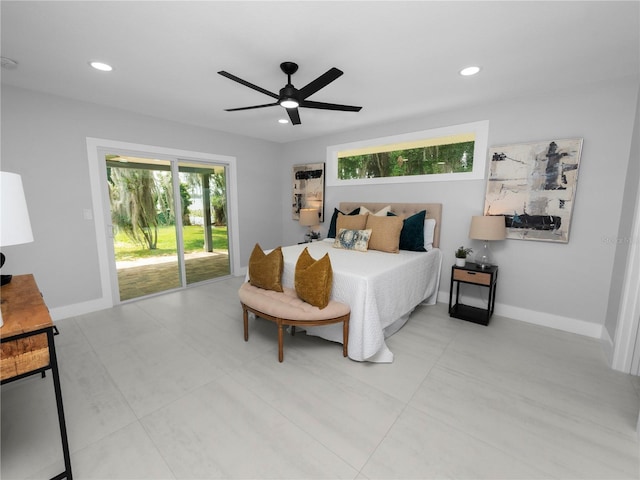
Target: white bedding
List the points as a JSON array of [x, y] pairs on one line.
[[381, 288]]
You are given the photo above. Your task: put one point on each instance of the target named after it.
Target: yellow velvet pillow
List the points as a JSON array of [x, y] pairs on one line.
[[314, 279], [385, 233], [351, 222], [265, 271]]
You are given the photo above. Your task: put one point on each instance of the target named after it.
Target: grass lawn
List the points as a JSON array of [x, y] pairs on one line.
[[193, 235]]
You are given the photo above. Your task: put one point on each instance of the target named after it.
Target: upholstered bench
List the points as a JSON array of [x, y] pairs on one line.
[[286, 309]]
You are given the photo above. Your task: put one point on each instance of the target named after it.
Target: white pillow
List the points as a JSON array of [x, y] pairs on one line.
[[429, 228], [380, 213]]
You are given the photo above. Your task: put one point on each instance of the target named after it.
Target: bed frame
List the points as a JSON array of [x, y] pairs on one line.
[[434, 210]]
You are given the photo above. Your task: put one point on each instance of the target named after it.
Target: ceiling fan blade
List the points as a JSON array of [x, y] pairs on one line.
[[247, 84], [329, 106], [251, 108], [294, 116], [320, 82]]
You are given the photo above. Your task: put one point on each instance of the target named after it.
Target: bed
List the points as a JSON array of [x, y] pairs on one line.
[[381, 288]]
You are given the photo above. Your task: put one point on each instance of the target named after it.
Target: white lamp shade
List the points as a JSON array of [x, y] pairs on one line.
[[15, 227], [309, 217], [488, 227]]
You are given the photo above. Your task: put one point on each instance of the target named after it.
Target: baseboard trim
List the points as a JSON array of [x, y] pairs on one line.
[[566, 324], [94, 305], [79, 309], [607, 346]]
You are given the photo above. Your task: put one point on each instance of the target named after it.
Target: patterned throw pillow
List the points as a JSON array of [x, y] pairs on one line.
[[352, 239], [265, 270], [313, 279]]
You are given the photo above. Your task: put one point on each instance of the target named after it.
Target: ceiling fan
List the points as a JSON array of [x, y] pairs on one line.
[[290, 97]]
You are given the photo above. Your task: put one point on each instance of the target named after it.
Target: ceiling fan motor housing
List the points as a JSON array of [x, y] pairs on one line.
[[289, 92]]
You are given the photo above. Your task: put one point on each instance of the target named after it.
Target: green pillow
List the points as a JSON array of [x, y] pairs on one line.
[[412, 233]]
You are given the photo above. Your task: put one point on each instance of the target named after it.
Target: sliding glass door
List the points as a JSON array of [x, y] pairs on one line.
[[168, 223], [204, 221]]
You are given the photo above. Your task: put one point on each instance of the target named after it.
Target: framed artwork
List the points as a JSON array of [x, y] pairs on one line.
[[308, 189], [534, 186]]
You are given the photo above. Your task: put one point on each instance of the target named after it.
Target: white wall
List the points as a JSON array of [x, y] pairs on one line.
[[560, 285], [44, 140]]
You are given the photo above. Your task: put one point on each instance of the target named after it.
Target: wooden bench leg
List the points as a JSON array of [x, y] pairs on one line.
[[345, 337], [245, 318], [280, 341], [282, 323]]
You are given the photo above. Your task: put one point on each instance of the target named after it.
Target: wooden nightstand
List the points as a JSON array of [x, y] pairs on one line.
[[472, 274]]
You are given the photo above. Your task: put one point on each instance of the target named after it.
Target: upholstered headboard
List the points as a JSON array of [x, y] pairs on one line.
[[434, 210]]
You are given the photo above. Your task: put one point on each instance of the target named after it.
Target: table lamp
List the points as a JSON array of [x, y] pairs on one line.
[[309, 218], [15, 227], [487, 228]]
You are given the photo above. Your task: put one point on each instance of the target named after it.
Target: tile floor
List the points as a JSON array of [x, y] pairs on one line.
[[167, 388]]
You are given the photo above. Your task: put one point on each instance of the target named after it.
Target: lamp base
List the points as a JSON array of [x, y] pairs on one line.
[[483, 258], [4, 279]]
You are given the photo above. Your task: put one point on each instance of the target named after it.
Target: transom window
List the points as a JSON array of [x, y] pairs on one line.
[[450, 153]]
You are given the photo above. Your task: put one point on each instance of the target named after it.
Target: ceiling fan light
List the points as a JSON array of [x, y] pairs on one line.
[[468, 71], [103, 67], [289, 103]]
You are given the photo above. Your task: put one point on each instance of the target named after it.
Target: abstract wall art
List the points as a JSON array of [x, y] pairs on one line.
[[534, 186], [308, 189]]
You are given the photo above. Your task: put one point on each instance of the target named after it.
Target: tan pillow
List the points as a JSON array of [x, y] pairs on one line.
[[385, 233], [351, 222], [314, 279], [265, 271]]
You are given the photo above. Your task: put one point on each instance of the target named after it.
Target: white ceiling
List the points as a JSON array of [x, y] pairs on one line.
[[400, 59]]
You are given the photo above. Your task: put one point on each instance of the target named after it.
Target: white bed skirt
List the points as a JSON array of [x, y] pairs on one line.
[[382, 290]]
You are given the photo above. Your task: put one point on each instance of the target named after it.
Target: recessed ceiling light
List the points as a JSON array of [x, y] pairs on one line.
[[283, 120], [103, 67], [465, 72]]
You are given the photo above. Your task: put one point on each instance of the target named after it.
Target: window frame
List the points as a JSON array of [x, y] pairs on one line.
[[478, 172]]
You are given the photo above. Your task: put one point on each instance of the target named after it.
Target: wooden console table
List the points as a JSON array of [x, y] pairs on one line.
[[27, 345]]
